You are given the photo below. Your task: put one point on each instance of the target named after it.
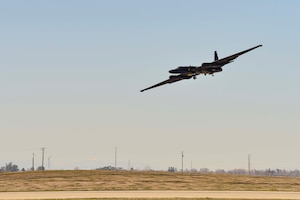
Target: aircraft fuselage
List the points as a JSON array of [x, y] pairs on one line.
[[205, 68]]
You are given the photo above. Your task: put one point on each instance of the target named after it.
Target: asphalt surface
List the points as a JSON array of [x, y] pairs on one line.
[[149, 194]]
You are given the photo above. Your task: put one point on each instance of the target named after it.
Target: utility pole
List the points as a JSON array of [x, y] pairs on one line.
[[49, 162], [182, 161], [43, 152], [32, 162], [115, 158], [249, 164]]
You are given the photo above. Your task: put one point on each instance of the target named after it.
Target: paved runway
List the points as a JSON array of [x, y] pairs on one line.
[[150, 194]]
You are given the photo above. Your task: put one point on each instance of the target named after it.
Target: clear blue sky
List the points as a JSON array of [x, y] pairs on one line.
[[71, 71]]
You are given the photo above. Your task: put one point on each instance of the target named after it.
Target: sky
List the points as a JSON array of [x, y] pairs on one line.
[[71, 72]]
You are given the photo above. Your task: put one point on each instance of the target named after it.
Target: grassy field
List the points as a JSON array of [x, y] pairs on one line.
[[91, 180]]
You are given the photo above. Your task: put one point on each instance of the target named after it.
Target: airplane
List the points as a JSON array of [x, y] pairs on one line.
[[187, 72]]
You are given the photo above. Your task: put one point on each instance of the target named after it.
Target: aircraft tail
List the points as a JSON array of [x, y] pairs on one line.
[[216, 56]]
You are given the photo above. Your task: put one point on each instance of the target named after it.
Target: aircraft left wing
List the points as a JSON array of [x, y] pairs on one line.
[[172, 79], [229, 59]]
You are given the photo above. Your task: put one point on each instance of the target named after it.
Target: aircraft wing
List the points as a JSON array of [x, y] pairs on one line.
[[229, 59], [172, 79]]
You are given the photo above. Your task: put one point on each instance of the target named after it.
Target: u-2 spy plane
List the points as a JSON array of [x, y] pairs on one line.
[[187, 72]]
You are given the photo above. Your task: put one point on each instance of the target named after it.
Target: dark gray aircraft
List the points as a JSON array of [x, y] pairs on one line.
[[187, 72]]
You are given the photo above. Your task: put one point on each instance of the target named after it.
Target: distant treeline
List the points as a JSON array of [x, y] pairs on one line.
[[10, 167], [266, 172]]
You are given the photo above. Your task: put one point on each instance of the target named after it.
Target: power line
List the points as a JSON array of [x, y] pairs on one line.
[[249, 164], [32, 168], [182, 161], [115, 158], [49, 161], [43, 152]]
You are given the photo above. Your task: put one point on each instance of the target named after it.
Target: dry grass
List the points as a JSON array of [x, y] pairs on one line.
[[90, 180]]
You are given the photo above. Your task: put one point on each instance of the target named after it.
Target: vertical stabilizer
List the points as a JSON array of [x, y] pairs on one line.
[[216, 56]]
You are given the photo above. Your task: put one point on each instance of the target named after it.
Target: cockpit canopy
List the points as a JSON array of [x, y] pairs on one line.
[[183, 69]]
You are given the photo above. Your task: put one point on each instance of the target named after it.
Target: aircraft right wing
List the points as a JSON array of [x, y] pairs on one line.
[[229, 59], [172, 79]]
